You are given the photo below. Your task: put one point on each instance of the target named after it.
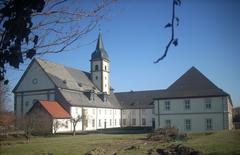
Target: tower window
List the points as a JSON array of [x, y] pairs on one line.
[[96, 67], [105, 68]]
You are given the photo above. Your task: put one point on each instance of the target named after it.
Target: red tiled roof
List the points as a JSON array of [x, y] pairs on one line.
[[54, 109]]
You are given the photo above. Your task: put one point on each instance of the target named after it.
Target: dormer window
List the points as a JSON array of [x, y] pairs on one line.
[[96, 67], [90, 94], [92, 98], [103, 97]]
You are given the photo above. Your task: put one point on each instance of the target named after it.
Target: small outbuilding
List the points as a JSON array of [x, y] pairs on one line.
[[48, 117]]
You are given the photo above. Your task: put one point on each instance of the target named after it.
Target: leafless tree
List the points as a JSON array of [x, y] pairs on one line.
[[4, 97], [52, 27], [78, 119], [174, 22], [63, 22], [28, 125], [56, 125], [74, 122]]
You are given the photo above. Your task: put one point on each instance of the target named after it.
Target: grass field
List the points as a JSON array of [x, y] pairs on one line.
[[223, 142]]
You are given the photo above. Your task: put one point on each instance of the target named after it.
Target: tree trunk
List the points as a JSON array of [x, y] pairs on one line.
[[74, 130]]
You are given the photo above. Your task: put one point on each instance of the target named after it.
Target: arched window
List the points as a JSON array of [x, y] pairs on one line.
[[105, 68], [96, 67]]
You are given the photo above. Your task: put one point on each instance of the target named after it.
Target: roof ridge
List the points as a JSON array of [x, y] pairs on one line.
[[49, 61], [141, 91]]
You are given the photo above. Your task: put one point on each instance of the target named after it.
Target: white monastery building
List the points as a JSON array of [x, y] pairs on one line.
[[55, 94]]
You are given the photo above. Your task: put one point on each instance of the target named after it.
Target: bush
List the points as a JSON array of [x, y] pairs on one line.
[[166, 135], [96, 151]]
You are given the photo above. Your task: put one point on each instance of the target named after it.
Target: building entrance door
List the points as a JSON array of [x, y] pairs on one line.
[[153, 123]]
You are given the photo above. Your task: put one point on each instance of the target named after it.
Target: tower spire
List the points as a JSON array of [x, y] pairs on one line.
[[100, 67], [100, 52], [100, 42]]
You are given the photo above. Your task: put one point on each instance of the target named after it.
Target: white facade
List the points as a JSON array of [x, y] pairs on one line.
[[194, 114], [96, 118], [138, 117], [34, 85], [100, 74]]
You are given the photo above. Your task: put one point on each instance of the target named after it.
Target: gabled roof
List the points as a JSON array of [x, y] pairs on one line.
[[192, 84], [77, 98], [73, 84], [54, 109], [100, 52], [138, 99], [66, 77]]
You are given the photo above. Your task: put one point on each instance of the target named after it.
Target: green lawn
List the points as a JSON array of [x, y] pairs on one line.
[[223, 142]]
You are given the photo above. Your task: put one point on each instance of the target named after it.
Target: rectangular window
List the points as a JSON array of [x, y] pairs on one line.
[[208, 123], [110, 122], [167, 105], [208, 106], [168, 123], [66, 125], [124, 122], [188, 125], [134, 121], [99, 123], [93, 123], [187, 105], [115, 122], [208, 103], [143, 121]]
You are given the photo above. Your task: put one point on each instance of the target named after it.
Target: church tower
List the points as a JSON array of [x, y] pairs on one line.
[[100, 69]]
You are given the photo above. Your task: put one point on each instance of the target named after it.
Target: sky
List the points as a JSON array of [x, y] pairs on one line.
[[134, 36]]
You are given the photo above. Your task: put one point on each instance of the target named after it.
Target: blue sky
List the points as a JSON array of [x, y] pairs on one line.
[[134, 36]]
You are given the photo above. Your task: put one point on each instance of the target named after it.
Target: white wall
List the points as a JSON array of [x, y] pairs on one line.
[[198, 121], [197, 113], [102, 74], [106, 77], [129, 115], [35, 85], [110, 116], [65, 125], [34, 79]]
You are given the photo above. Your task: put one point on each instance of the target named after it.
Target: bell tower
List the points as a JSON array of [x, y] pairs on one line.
[[100, 68]]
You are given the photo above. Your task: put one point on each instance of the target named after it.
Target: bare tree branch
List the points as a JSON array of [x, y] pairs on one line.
[[53, 28], [172, 40]]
